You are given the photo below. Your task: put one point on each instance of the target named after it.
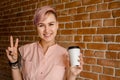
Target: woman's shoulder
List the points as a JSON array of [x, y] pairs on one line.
[[28, 45], [61, 48], [27, 48]]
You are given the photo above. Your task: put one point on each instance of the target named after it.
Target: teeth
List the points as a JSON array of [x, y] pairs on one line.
[[47, 35]]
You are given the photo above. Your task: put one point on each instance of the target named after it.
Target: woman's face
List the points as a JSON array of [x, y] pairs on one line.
[[47, 29]]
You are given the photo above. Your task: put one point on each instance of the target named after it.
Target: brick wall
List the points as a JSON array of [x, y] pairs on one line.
[[94, 25]]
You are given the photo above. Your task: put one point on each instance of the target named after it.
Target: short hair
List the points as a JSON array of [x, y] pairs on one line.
[[41, 12]]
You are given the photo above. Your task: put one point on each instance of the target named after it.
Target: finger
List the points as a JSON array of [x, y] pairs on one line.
[[11, 41], [16, 43], [10, 49], [8, 55]]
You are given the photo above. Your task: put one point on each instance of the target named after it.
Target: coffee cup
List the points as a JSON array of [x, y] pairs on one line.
[[74, 53]]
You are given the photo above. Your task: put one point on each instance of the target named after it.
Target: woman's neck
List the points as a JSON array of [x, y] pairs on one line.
[[46, 45]]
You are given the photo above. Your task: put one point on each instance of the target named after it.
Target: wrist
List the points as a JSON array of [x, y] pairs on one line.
[[14, 65], [71, 76]]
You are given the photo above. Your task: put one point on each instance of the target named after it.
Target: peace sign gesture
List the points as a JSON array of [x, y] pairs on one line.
[[12, 53]]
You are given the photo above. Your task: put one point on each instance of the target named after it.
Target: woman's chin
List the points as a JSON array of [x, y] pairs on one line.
[[48, 40]]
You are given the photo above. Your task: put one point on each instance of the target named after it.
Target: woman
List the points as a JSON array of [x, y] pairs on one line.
[[44, 59]]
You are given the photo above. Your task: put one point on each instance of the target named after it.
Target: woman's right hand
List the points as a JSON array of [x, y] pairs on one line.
[[12, 51]]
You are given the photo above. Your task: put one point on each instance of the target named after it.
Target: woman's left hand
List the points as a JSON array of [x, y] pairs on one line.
[[77, 69]]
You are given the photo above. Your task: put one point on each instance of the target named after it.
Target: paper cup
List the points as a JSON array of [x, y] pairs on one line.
[[74, 53]]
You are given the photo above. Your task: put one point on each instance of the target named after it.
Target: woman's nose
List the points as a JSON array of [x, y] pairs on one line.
[[46, 28]]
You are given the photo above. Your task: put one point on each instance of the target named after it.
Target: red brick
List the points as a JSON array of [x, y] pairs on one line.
[[15, 5], [29, 38], [61, 26], [99, 54], [29, 7], [59, 7], [89, 2], [103, 6], [77, 24], [105, 62], [114, 47], [114, 5], [81, 17], [118, 55], [116, 13], [108, 0], [109, 38], [91, 8], [96, 23], [64, 13], [33, 1], [89, 53], [68, 25], [90, 60], [29, 23], [65, 38], [80, 44], [78, 38], [98, 38], [98, 46], [50, 2], [56, 1], [73, 4], [117, 64], [118, 38], [20, 24], [68, 32], [108, 71], [86, 31], [87, 38], [86, 67], [89, 75], [99, 15], [65, 0], [118, 22], [29, 28], [97, 69], [17, 29], [86, 24], [111, 55], [111, 30], [64, 19], [80, 9], [72, 11], [106, 77], [24, 18], [109, 22], [117, 72]]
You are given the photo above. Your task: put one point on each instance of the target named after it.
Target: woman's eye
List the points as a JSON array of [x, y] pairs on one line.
[[40, 25], [51, 24]]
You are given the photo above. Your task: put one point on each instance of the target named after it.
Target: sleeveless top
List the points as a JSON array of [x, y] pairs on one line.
[[35, 65]]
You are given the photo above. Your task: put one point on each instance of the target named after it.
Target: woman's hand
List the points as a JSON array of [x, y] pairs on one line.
[[12, 53], [74, 71]]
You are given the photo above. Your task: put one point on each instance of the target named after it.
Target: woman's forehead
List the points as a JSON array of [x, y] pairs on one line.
[[48, 18]]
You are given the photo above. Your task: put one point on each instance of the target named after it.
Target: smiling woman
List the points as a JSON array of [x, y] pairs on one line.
[[44, 59], [47, 29]]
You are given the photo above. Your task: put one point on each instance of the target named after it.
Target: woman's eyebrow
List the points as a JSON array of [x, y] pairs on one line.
[[52, 22], [48, 23]]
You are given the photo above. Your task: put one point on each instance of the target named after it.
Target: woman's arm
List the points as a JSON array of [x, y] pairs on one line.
[[16, 74], [72, 72], [13, 56]]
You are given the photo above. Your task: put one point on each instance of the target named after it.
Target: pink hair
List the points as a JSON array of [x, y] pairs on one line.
[[41, 12]]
